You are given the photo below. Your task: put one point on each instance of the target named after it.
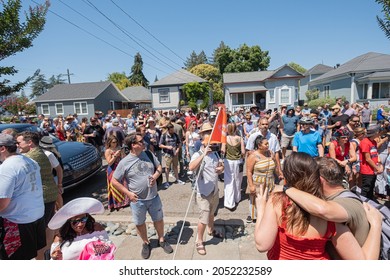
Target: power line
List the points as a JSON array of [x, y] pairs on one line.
[[128, 34], [147, 31]]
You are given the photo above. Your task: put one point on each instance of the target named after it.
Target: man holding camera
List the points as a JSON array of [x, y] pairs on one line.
[[208, 166]]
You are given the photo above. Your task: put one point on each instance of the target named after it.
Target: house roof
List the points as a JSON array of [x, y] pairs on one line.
[[80, 91], [318, 69], [137, 94], [180, 77], [247, 89], [255, 76], [369, 62], [374, 76]]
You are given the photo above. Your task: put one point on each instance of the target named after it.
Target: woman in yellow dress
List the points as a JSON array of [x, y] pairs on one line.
[[260, 167]]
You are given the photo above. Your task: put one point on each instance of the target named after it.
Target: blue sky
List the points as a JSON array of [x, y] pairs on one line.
[[304, 32]]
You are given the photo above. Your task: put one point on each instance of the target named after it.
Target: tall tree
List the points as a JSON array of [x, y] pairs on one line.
[[384, 23], [16, 36], [137, 77], [195, 59], [55, 80], [243, 59], [39, 86]]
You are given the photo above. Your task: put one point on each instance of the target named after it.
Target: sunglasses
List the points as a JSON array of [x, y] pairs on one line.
[[139, 142], [75, 222]]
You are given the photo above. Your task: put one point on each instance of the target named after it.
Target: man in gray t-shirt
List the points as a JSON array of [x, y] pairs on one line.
[[139, 174], [366, 115]]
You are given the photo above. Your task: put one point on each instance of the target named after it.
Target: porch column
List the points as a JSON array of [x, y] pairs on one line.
[[353, 88], [369, 90]]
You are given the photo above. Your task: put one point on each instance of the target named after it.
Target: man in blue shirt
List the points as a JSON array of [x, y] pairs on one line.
[[289, 126], [308, 140]]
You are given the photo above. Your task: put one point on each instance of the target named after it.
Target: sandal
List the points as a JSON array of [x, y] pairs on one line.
[[216, 234], [200, 249]]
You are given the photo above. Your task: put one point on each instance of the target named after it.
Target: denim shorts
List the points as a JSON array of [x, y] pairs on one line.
[[141, 207]]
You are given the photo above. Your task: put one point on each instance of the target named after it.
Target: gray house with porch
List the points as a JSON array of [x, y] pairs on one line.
[[264, 89], [366, 77], [82, 98]]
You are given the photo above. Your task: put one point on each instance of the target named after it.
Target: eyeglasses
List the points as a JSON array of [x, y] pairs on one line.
[[139, 142], [355, 121], [82, 220], [344, 137]]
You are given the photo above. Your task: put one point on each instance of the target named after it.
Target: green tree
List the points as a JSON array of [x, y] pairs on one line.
[[384, 23], [312, 94], [39, 86], [137, 77], [55, 80], [16, 36], [195, 59], [197, 91], [119, 79], [297, 67], [211, 74], [243, 59]]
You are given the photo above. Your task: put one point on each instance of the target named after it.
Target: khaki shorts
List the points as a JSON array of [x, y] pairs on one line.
[[286, 140], [207, 206], [168, 160]]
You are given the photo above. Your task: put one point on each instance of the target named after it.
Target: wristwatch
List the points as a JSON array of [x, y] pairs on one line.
[[285, 188]]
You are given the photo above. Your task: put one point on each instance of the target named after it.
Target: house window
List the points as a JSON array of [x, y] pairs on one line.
[[163, 95], [375, 90], [112, 105], [59, 108], [285, 95], [45, 109], [326, 91], [242, 98], [80, 108], [271, 96]]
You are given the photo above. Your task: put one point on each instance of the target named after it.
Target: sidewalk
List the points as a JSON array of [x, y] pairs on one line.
[[238, 243]]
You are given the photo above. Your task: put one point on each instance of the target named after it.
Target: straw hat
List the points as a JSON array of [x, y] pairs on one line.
[[73, 208], [206, 127]]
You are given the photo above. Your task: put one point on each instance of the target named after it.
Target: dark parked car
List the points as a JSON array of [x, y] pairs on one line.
[[80, 160]]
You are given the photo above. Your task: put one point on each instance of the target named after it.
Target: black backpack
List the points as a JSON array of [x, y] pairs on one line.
[[160, 178]]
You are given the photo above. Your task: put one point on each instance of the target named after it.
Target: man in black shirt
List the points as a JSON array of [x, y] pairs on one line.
[[338, 119]]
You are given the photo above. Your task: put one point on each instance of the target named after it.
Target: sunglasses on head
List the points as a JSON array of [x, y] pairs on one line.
[[77, 221]]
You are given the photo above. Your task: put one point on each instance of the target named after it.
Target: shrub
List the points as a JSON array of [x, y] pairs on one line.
[[312, 94], [314, 104]]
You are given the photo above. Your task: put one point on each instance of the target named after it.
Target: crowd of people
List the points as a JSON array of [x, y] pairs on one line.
[[336, 147]]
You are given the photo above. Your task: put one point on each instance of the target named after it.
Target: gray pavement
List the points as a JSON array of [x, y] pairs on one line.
[[238, 243]]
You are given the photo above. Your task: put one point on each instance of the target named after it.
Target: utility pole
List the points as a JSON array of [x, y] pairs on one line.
[[68, 74]]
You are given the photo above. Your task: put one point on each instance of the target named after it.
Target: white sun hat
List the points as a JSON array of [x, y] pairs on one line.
[[73, 208]]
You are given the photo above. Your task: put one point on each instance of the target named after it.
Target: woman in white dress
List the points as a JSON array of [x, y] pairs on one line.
[[76, 228], [234, 151]]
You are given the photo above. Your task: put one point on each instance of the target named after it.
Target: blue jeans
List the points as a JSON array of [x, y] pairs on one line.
[[141, 207]]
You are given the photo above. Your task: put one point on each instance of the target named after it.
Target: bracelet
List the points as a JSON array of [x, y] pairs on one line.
[[285, 188]]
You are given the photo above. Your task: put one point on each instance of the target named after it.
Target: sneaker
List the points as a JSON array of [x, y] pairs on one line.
[[165, 185], [249, 220], [166, 247], [180, 182], [190, 172], [145, 253]]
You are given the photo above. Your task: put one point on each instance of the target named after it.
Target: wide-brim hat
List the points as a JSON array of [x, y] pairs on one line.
[[206, 127], [75, 207], [46, 142]]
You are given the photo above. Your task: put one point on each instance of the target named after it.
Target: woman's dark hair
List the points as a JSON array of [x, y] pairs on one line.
[[110, 139], [67, 233], [259, 139], [301, 171]]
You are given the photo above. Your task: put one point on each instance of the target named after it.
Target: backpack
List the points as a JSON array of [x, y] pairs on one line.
[[160, 178], [385, 211], [98, 250]]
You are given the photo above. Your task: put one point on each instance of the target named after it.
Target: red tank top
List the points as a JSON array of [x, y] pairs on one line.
[[289, 247], [339, 155]]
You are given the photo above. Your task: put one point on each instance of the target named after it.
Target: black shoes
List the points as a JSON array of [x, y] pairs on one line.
[[249, 220], [145, 253], [166, 247]]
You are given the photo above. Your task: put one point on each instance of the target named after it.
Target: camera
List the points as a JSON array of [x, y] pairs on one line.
[[214, 147]]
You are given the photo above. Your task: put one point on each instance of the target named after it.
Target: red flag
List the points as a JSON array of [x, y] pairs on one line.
[[220, 127]]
